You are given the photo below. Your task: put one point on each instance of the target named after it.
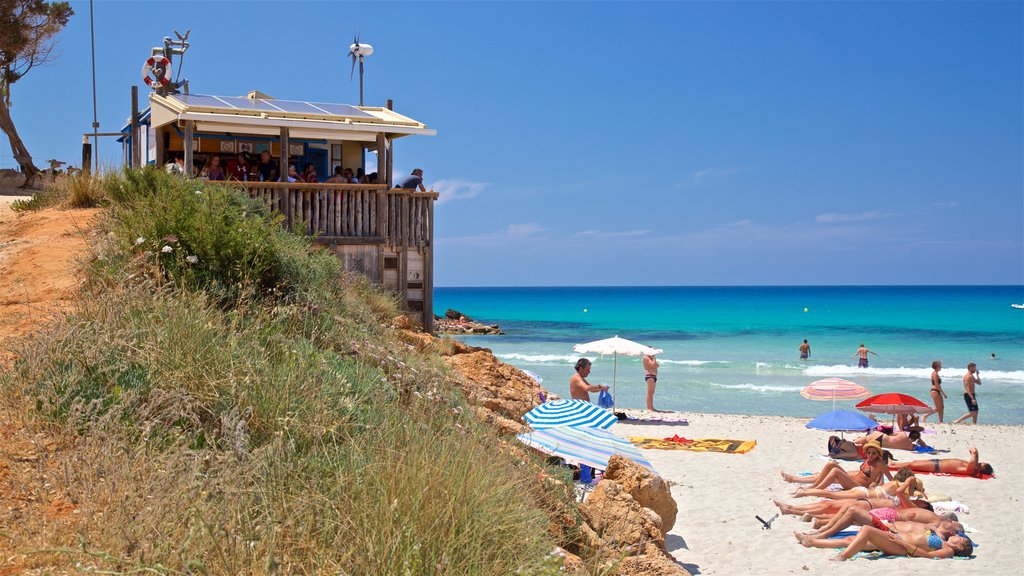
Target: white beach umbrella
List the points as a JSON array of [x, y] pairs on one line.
[[615, 346]]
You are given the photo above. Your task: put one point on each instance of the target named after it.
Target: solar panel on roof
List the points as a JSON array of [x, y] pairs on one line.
[[249, 104], [342, 110], [297, 107], [199, 100], [234, 104]]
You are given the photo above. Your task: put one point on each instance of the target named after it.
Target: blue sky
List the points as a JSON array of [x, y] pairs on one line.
[[689, 143]]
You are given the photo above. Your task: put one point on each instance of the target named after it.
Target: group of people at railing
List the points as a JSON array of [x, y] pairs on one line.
[[242, 168]]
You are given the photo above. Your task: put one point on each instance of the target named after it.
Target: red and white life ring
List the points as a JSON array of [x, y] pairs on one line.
[[150, 68]]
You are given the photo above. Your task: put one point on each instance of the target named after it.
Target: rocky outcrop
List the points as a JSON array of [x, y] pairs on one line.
[[623, 525], [648, 489], [494, 385], [455, 322]]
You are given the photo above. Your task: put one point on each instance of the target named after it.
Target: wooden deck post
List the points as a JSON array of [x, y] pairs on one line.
[[428, 270], [188, 147]]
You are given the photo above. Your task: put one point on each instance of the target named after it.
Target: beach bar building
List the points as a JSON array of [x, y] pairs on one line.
[[383, 232]]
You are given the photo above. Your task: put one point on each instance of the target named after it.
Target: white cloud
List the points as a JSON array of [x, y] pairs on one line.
[[512, 233], [455, 189], [701, 176], [832, 217], [617, 234]]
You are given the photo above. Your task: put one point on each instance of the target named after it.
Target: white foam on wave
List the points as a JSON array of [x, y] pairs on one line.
[[560, 358], [691, 362], [947, 373], [758, 387]]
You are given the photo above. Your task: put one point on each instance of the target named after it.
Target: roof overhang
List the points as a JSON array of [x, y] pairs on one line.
[[370, 122]]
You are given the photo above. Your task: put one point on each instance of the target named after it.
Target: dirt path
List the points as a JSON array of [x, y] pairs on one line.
[[39, 255]]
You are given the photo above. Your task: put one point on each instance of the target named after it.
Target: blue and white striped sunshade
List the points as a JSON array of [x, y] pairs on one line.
[[568, 413], [590, 446]]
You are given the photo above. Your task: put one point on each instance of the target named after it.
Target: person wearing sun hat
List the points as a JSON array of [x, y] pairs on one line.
[[871, 473]]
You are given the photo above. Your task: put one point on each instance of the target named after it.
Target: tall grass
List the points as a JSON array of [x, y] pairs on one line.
[[248, 410]]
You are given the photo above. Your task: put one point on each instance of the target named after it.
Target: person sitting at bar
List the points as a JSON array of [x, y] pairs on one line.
[[360, 176], [213, 170], [293, 175], [268, 169], [337, 178], [414, 180], [238, 168], [348, 176], [309, 175]]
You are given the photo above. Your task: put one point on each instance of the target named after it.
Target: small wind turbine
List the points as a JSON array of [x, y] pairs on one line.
[[358, 51]]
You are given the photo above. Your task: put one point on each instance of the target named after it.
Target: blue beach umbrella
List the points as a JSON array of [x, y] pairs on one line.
[[568, 413], [842, 420], [583, 446]]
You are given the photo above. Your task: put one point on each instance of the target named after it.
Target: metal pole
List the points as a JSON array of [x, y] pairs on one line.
[[95, 122], [135, 132], [360, 80]]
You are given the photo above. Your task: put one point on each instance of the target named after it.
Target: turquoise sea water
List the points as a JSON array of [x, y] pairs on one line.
[[734, 349]]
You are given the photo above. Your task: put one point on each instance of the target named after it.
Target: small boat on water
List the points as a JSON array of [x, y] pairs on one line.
[[1017, 306]]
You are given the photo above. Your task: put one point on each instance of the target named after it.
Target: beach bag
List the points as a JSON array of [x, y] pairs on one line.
[[842, 449], [604, 399]]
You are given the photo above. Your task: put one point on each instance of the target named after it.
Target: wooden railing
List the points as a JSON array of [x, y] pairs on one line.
[[351, 213]]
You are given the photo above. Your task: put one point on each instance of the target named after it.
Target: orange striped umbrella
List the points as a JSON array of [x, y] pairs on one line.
[[834, 389]]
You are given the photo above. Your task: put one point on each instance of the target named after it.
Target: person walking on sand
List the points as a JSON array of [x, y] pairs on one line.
[[971, 379], [937, 393], [863, 352], [651, 378], [579, 388], [805, 350]]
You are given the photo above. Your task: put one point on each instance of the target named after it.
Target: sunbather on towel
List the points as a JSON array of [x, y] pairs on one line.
[[887, 490], [854, 515], [972, 467], [870, 473], [823, 510], [901, 539], [896, 441]]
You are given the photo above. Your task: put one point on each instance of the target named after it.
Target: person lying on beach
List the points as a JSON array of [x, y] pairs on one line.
[[856, 516], [972, 467], [895, 441], [904, 539], [870, 473], [823, 511], [887, 490]]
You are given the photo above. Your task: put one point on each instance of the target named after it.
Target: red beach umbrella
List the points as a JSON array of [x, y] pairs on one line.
[[894, 403], [834, 389]]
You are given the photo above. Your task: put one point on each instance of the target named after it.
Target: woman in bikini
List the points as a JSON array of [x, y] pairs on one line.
[[902, 539], [886, 490], [972, 467], [936, 392], [870, 473], [896, 441]]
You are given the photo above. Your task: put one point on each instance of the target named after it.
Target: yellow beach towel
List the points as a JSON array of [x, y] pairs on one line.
[[697, 445]]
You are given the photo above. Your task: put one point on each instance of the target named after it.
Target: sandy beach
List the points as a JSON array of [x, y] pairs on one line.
[[719, 495]]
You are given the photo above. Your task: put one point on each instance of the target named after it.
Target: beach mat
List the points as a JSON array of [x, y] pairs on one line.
[[695, 445]]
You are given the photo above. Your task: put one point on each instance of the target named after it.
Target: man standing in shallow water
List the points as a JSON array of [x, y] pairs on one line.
[[805, 350], [651, 378], [971, 379], [863, 352]]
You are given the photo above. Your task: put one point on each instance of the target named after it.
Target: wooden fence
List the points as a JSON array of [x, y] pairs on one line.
[[351, 213]]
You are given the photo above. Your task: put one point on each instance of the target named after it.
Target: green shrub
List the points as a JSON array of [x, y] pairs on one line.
[[250, 412]]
